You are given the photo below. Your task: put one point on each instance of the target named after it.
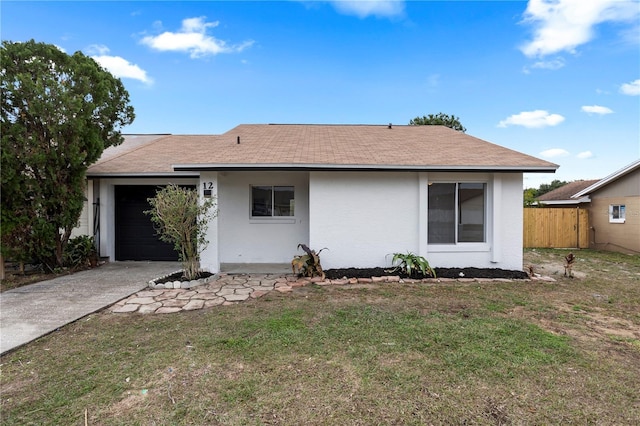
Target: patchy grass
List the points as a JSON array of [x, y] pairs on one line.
[[474, 353]]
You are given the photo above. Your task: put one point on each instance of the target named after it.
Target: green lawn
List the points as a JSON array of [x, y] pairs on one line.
[[564, 352]]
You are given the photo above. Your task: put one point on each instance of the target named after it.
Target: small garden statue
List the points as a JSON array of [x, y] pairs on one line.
[[568, 264]]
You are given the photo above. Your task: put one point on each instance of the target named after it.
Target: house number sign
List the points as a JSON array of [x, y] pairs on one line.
[[208, 189]]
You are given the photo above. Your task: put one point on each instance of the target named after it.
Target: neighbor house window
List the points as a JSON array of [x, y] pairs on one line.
[[617, 213], [270, 201], [456, 213]]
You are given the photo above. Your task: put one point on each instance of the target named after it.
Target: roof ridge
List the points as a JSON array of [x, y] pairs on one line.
[[337, 125]]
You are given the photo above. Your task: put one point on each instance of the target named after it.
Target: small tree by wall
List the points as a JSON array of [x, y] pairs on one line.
[[182, 220], [59, 112]]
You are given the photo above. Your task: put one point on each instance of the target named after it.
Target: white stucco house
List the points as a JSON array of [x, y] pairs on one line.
[[361, 191]]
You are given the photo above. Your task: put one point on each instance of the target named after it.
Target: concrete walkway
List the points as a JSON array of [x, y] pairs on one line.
[[31, 311]]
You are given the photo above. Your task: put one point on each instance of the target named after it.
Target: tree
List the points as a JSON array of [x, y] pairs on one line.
[[548, 187], [530, 195], [59, 112], [439, 119], [182, 220]]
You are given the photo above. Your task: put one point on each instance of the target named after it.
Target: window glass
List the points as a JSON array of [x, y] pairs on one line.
[[471, 212], [442, 214], [617, 213], [269, 201], [261, 201], [283, 200], [456, 213]]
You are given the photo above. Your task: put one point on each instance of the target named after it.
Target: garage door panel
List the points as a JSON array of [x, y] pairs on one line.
[[136, 237]]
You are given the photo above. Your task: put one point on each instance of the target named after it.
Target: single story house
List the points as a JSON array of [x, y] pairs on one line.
[[361, 191], [614, 210], [613, 206]]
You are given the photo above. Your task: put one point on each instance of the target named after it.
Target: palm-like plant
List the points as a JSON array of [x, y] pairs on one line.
[[411, 263], [308, 264]]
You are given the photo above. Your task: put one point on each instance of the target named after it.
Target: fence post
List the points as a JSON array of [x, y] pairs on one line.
[[578, 227]]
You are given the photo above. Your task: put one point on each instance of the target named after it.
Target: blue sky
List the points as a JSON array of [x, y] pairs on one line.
[[559, 79]]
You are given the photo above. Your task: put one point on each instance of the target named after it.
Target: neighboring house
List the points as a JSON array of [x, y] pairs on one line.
[[561, 197], [362, 191], [614, 210], [613, 206]]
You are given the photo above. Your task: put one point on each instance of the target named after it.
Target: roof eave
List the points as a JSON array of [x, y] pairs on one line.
[[565, 202], [181, 174], [360, 167], [612, 177]]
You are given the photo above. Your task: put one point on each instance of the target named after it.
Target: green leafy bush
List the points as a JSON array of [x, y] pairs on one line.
[[80, 251], [308, 264], [182, 220], [410, 264]]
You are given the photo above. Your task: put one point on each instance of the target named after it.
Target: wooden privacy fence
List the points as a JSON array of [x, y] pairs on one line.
[[556, 227]]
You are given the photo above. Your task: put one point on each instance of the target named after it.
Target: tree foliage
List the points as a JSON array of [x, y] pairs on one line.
[[182, 220], [531, 194], [59, 112], [440, 119]]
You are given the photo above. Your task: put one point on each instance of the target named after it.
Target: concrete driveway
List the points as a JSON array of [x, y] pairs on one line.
[[31, 311]]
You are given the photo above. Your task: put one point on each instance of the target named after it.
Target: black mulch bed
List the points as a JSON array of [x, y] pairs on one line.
[[177, 276], [334, 274]]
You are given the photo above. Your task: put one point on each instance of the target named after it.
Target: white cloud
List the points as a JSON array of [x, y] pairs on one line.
[[117, 65], [554, 153], [97, 49], [532, 119], [584, 155], [563, 25], [364, 8], [192, 38], [596, 109], [555, 64], [631, 89]]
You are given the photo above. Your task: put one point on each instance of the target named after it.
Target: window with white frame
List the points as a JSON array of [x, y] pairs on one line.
[[272, 201], [456, 212], [617, 213]]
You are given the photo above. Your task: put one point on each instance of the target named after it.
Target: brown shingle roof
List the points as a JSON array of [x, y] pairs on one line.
[[321, 147], [566, 191]]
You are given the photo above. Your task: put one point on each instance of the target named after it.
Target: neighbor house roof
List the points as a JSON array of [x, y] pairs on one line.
[[607, 180], [319, 147], [563, 194]]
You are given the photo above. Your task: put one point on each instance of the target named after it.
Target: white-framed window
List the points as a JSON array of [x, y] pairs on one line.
[[272, 201], [617, 213], [457, 212]]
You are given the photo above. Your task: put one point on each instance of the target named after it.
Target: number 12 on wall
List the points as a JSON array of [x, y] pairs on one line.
[[207, 189]]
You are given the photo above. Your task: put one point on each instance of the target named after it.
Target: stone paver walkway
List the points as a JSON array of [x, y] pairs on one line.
[[224, 290], [228, 289]]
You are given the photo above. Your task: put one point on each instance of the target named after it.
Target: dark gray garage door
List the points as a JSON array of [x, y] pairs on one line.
[[136, 237]]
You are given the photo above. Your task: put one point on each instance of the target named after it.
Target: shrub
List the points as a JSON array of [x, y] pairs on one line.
[[180, 219], [80, 251], [307, 264], [411, 263]]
